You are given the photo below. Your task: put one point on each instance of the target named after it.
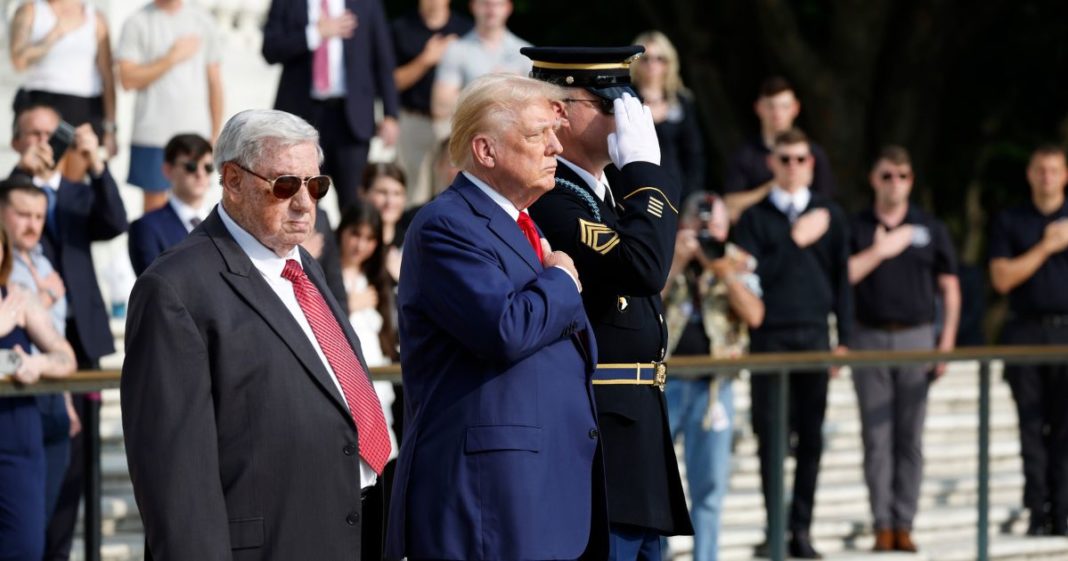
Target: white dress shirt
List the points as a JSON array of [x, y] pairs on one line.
[[598, 184], [187, 213], [334, 47], [782, 200], [270, 266], [509, 208]]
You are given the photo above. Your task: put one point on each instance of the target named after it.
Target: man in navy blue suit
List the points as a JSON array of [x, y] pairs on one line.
[[501, 459], [334, 65], [78, 214], [187, 165]]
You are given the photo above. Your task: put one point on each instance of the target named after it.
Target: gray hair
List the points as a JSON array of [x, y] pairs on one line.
[[246, 136]]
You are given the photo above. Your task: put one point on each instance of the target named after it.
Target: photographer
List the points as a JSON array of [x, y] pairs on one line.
[[712, 297], [78, 213]]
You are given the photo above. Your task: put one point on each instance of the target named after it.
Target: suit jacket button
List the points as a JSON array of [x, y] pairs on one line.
[[594, 434], [349, 449], [353, 518]]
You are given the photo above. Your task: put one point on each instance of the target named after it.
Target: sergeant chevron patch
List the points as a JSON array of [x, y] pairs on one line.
[[598, 237], [656, 207]]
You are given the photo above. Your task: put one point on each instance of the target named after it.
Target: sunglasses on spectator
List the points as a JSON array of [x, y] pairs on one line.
[[285, 186], [887, 176], [602, 104], [799, 159], [191, 167]]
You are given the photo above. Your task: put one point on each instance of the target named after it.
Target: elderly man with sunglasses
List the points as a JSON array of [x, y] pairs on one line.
[[800, 241], [188, 167], [252, 428]]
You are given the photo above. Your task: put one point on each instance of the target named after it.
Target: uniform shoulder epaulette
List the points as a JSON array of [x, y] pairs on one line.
[[582, 194]]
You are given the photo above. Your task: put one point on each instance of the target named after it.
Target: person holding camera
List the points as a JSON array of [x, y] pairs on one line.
[[78, 213], [711, 300]]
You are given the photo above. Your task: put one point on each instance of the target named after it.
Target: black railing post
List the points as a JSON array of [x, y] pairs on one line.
[[92, 519], [780, 422], [984, 461]]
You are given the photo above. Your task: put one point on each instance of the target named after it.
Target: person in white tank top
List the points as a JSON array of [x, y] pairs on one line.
[[64, 49]]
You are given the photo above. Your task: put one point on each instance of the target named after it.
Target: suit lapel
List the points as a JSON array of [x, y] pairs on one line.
[[173, 227], [247, 282], [500, 223]]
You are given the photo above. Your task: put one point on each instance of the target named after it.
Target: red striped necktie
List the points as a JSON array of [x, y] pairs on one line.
[[360, 395], [531, 232]]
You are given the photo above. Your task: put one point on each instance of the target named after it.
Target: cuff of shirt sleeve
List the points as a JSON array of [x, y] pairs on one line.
[[311, 34], [573, 279]]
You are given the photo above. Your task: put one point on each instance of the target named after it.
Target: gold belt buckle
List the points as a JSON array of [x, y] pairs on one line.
[[661, 375]]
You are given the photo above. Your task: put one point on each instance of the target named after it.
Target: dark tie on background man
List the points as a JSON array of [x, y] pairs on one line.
[[359, 394], [531, 232]]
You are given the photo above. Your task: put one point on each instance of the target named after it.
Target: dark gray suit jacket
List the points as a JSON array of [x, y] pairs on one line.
[[238, 442]]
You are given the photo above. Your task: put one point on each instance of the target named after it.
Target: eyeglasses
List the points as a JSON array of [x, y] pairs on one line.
[[285, 186], [799, 159], [903, 176], [602, 104], [191, 167]]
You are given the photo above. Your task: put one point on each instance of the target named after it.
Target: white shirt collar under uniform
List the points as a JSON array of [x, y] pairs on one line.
[[599, 185], [51, 182]]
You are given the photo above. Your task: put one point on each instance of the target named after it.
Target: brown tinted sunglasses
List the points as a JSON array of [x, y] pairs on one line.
[[285, 186]]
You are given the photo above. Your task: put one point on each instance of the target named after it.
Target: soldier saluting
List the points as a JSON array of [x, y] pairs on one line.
[[615, 211]]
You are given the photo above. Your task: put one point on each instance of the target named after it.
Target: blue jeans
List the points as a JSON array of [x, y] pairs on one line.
[[707, 453]]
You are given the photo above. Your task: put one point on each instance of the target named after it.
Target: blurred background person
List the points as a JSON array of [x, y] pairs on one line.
[[23, 206], [419, 41], [25, 323], [1028, 262], [337, 59], [64, 48], [443, 171], [711, 299], [749, 178], [79, 213], [369, 287], [188, 167], [902, 262], [488, 48], [170, 52], [385, 188], [655, 75]]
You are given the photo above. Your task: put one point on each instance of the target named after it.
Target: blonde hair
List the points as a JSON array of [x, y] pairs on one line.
[[672, 80], [489, 105]]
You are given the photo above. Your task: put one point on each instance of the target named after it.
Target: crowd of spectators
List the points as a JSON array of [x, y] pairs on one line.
[[769, 264]]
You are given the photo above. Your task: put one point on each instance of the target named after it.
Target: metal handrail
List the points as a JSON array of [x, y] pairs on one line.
[[779, 365]]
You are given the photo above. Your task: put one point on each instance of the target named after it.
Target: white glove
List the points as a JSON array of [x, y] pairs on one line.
[[635, 137]]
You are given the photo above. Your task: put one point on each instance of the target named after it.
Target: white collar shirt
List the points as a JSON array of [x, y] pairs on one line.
[[599, 185], [186, 213], [782, 199], [270, 266]]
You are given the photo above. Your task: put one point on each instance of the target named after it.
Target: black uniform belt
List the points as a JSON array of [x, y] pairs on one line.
[[631, 373]]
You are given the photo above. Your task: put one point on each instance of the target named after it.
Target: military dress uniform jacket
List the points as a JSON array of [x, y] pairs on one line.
[[623, 255]]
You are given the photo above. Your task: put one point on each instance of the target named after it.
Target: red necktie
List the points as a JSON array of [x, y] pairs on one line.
[[321, 57], [531, 232], [359, 393]]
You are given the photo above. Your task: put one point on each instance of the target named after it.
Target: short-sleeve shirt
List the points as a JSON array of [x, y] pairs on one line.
[[901, 290], [177, 102], [410, 35], [1014, 232], [468, 58], [748, 169]]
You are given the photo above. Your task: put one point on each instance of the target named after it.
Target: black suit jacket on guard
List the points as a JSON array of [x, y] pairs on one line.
[[623, 255], [239, 445]]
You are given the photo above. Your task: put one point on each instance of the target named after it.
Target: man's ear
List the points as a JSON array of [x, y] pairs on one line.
[[231, 178], [484, 151]]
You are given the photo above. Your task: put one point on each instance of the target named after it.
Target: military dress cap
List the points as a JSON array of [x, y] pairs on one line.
[[603, 71]]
